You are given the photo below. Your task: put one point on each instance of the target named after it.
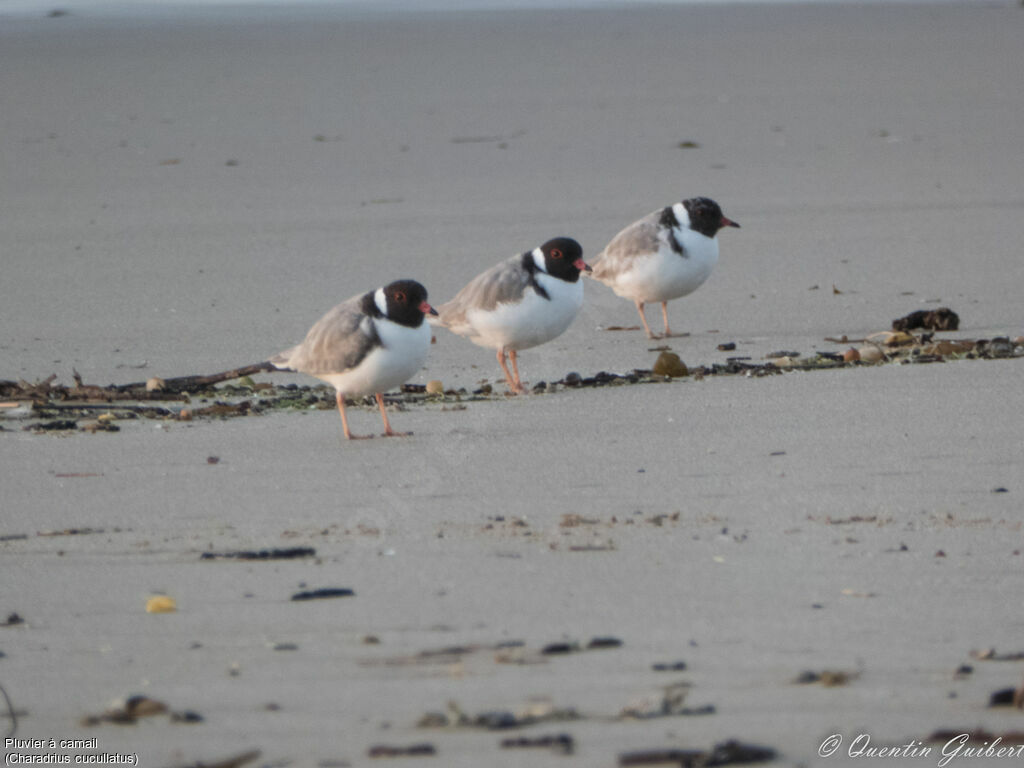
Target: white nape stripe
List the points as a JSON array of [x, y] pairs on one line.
[[538, 259], [682, 215], [381, 301]]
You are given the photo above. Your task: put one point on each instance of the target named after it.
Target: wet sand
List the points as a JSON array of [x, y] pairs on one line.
[[184, 197]]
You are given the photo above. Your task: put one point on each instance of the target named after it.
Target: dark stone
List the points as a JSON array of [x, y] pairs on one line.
[[943, 319], [1004, 697], [559, 648]]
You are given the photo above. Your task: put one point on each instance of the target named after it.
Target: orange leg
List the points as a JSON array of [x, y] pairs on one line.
[[643, 319], [515, 369], [340, 399], [388, 432], [664, 316], [513, 382], [504, 367]]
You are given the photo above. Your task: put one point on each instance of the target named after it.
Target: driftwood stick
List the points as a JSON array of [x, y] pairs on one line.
[[191, 383]]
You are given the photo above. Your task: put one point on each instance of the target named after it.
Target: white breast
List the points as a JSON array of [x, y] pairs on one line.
[[531, 321], [401, 355], [665, 275]]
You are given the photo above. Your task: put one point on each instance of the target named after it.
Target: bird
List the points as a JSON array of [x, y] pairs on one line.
[[366, 345], [667, 254], [520, 302]]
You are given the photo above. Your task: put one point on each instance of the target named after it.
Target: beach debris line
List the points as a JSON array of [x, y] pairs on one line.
[[50, 407]]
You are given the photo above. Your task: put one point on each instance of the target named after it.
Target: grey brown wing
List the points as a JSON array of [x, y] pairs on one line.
[[339, 341], [638, 239], [501, 284]]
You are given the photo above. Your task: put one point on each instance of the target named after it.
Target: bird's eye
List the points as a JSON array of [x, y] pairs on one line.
[[556, 254], [400, 297]]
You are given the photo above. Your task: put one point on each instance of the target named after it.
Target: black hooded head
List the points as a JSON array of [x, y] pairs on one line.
[[406, 302], [563, 258], [706, 216]]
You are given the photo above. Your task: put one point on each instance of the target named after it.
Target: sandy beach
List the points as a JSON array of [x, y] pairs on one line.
[[182, 196]]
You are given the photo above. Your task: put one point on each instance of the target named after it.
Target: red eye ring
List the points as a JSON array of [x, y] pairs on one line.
[[400, 297], [556, 254]]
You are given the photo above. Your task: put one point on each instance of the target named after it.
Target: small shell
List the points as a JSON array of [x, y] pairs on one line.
[[161, 604], [435, 387], [851, 355], [155, 384], [871, 354]]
